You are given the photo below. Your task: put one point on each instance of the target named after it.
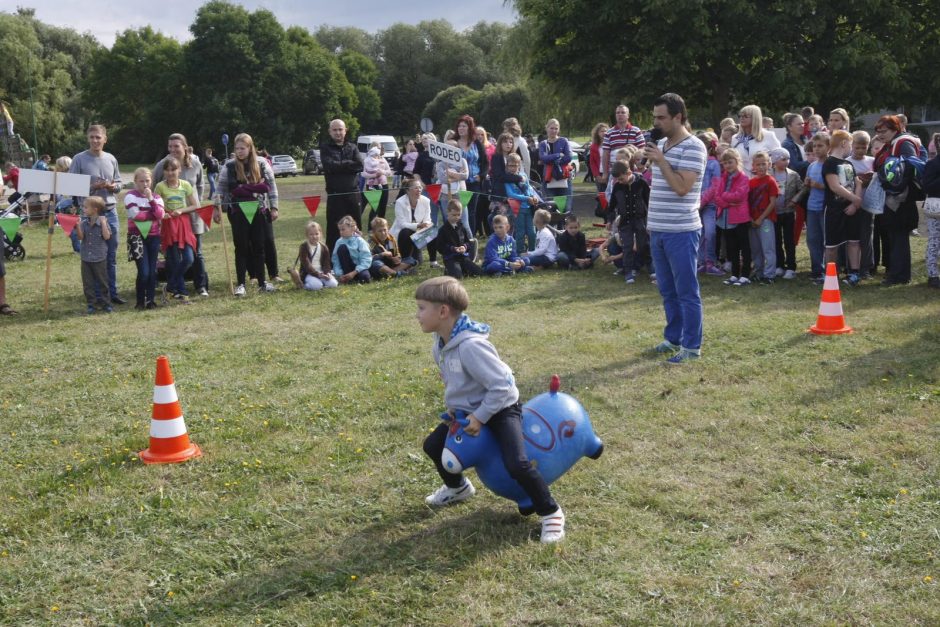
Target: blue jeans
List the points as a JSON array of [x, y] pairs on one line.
[[540, 260], [178, 261], [213, 177], [816, 240], [524, 230], [112, 217], [706, 249], [675, 256], [436, 217], [147, 270]]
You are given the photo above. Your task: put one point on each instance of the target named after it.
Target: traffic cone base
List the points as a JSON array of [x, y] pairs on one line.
[[169, 441], [830, 320]]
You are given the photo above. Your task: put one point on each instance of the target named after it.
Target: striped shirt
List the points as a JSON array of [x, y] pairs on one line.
[[616, 138], [669, 212]]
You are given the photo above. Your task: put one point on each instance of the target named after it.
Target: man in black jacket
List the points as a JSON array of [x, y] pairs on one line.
[[342, 164]]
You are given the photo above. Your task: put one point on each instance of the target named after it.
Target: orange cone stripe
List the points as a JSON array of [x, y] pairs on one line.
[[831, 297], [169, 446], [167, 412]]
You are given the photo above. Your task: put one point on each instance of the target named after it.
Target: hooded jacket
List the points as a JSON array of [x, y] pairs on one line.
[[476, 380]]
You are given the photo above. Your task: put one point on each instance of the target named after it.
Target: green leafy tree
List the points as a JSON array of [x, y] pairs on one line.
[[362, 74], [339, 39], [720, 54], [441, 107]]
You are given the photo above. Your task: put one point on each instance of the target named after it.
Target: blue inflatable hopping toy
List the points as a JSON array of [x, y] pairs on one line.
[[557, 433]]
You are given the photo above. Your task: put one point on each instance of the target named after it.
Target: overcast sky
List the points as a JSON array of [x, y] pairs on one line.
[[104, 19]]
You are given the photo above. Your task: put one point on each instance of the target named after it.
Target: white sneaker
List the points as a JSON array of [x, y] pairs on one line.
[[240, 290], [553, 527], [731, 280], [435, 264], [449, 496], [742, 282], [268, 287], [204, 292], [789, 274]]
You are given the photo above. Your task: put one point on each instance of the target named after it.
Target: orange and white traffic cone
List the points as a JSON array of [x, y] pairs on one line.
[[169, 441], [830, 320]]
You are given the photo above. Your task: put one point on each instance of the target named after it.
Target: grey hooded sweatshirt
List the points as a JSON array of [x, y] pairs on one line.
[[476, 380]]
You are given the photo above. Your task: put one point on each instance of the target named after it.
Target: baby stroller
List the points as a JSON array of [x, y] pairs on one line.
[[13, 249]]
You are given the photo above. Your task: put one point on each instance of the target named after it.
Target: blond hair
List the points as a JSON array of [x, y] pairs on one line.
[[454, 205], [763, 154], [140, 171], [346, 221], [500, 219], [444, 290], [253, 174], [62, 164], [731, 153], [513, 159], [96, 202], [378, 222], [313, 224], [757, 121], [542, 216]]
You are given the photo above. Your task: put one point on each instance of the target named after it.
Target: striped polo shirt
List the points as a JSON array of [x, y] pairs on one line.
[[616, 138], [669, 212]]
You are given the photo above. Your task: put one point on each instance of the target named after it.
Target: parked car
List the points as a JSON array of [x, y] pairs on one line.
[[312, 164], [284, 165], [390, 148]]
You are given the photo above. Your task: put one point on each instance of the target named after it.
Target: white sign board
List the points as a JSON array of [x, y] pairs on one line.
[[36, 182], [46, 182], [445, 152]]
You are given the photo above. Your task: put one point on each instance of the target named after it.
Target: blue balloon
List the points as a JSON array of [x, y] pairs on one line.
[[225, 139], [557, 433]]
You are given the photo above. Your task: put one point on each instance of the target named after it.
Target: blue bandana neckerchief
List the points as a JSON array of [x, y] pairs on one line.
[[464, 323]]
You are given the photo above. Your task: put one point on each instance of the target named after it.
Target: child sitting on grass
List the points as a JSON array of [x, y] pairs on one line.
[[456, 244], [546, 249], [352, 255], [94, 233], [316, 269], [501, 256], [572, 247], [480, 385], [386, 259]]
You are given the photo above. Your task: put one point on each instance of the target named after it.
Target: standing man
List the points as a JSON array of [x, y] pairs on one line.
[[618, 136], [105, 183], [342, 164], [212, 171], [678, 162]]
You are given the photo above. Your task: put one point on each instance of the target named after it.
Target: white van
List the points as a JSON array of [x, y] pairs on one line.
[[388, 143]]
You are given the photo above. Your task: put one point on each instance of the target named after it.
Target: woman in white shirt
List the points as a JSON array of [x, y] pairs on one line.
[[413, 213], [751, 137]]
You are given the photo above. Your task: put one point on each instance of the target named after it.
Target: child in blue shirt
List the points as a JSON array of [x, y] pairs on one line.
[[481, 385], [351, 255], [501, 256], [528, 201], [815, 216]]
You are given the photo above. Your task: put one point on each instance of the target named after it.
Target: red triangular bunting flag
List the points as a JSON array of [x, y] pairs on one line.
[[313, 203], [206, 214], [434, 191], [67, 222], [515, 205], [602, 197]]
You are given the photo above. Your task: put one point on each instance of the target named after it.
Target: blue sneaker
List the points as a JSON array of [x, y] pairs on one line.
[[90, 310], [108, 309], [630, 277], [666, 347], [684, 354]]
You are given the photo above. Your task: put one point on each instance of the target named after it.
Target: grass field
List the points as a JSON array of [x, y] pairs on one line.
[[783, 478]]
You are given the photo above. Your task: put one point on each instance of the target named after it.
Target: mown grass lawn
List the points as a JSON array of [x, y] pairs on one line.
[[783, 478]]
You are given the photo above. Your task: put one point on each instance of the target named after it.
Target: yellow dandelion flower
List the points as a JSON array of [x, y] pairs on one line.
[[863, 534], [903, 490], [170, 593], [54, 608], [736, 583], [353, 577], [927, 578]]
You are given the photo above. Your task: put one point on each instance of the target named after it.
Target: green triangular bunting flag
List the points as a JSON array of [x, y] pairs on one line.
[[562, 202], [249, 209], [372, 197], [465, 197], [144, 226], [10, 226]]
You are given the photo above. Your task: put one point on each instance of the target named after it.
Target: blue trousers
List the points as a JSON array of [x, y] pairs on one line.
[[147, 270], [816, 240], [675, 256], [178, 261], [112, 217]]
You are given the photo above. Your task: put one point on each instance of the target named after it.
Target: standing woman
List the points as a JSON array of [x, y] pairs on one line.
[[751, 137], [247, 177], [483, 203], [900, 221], [555, 154], [191, 172], [794, 144], [477, 162]]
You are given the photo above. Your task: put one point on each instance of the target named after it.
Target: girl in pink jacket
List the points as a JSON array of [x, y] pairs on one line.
[[729, 193]]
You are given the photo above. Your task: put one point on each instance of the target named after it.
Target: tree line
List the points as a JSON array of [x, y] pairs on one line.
[[244, 71]]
